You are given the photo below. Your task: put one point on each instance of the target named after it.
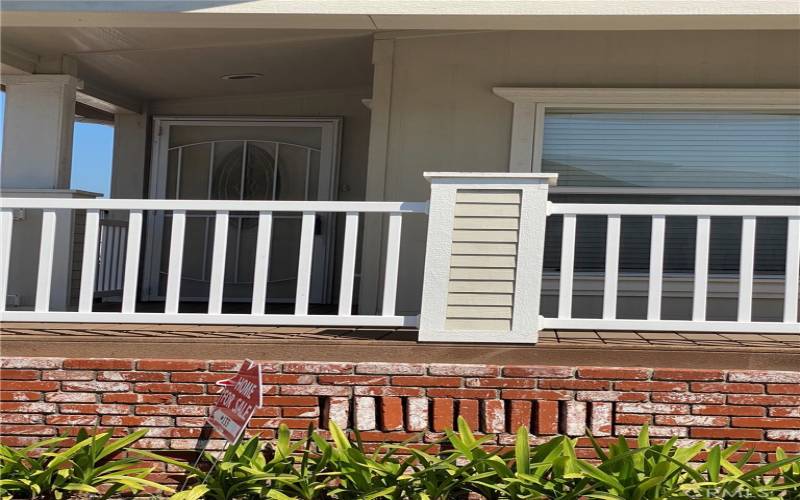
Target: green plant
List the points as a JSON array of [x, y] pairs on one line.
[[43, 470]]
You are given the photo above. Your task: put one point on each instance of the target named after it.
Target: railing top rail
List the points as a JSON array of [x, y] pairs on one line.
[[214, 205], [687, 210]]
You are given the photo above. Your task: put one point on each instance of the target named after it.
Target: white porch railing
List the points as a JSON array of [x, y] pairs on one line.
[[112, 238], [659, 213], [111, 257]]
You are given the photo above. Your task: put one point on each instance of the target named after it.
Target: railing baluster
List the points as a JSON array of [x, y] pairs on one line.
[[700, 298], [261, 271], [133, 246], [175, 262], [746, 261], [792, 270], [567, 266], [89, 263], [6, 226], [304, 264], [392, 265], [348, 264], [217, 285], [118, 264], [656, 267], [612, 267], [44, 277]]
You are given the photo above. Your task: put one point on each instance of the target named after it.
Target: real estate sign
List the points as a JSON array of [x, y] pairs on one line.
[[238, 402]]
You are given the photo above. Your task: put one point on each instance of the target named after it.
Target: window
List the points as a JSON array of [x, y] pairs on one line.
[[710, 146], [672, 149]]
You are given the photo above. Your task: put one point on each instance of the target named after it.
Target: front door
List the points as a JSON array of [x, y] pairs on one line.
[[242, 159]]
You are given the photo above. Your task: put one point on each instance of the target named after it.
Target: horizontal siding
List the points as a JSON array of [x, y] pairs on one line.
[[482, 261]]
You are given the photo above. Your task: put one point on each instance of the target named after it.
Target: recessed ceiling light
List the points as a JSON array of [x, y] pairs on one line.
[[241, 76]]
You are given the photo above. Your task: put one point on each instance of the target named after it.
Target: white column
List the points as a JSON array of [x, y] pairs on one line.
[[483, 259], [37, 162], [37, 133]]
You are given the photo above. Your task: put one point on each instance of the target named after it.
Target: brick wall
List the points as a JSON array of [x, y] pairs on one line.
[[394, 402]]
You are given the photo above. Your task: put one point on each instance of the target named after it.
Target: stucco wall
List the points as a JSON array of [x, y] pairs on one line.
[[444, 116]]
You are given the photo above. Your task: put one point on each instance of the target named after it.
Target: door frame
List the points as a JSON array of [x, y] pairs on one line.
[[330, 149]]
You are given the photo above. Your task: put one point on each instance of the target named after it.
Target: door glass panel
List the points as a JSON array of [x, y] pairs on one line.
[[247, 162]]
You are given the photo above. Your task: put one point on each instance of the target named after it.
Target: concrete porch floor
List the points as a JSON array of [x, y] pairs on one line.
[[608, 348]]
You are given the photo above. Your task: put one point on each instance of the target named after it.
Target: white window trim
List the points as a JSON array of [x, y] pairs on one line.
[[531, 104]]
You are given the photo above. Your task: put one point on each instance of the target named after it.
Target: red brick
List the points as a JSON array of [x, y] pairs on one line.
[[20, 396], [20, 418], [494, 416], [170, 365], [182, 410], [71, 397], [633, 419], [82, 420], [452, 370], [415, 381], [748, 411], [599, 385], [138, 398], [785, 411], [96, 386], [462, 393], [315, 390], [170, 388], [443, 415], [692, 420], [353, 379], [501, 383], [675, 409], [614, 373], [783, 388], [388, 391], [28, 407], [727, 387], [7, 374], [100, 409], [289, 401], [725, 433], [538, 371], [35, 363], [68, 375], [389, 437], [280, 378], [611, 396], [268, 412], [130, 421], [683, 374], [318, 368], [520, 415], [118, 376], [98, 364], [390, 369], [546, 418], [468, 409], [687, 397], [302, 412], [775, 400], [770, 377], [766, 423], [391, 414], [29, 385], [29, 430], [651, 386], [534, 394], [199, 377]]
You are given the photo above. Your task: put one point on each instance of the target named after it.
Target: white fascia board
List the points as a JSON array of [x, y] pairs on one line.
[[411, 14]]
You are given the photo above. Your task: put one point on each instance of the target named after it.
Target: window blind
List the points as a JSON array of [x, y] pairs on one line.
[[663, 149]]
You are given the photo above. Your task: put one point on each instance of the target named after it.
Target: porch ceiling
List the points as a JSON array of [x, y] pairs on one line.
[[166, 63]]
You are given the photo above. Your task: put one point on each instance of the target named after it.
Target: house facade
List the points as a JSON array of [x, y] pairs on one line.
[[469, 173]]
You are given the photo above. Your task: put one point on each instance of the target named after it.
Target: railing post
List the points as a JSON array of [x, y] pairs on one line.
[[483, 260]]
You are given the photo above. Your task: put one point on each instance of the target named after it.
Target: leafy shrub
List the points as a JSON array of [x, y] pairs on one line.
[[460, 465], [42, 470]]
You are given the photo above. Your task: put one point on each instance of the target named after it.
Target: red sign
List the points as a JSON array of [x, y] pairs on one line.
[[237, 402]]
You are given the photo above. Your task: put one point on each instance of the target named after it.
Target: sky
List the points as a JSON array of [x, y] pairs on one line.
[[92, 148]]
